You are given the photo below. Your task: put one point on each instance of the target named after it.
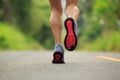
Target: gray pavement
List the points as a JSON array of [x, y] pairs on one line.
[[36, 65]]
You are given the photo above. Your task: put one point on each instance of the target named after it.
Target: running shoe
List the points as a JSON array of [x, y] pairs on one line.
[[58, 56], [70, 41]]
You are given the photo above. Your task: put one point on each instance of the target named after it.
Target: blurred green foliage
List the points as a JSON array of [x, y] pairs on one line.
[[13, 39], [98, 24], [31, 17], [110, 42]]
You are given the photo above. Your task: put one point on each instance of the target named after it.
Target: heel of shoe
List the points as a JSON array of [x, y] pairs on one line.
[[57, 58]]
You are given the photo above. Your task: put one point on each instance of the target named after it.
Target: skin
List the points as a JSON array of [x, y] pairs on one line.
[[56, 13]]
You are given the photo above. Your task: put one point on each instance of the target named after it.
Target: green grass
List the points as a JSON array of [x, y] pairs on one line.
[[107, 42], [13, 39], [110, 42]]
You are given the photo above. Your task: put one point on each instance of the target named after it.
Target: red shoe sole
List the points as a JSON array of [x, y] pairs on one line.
[[57, 58], [70, 41]]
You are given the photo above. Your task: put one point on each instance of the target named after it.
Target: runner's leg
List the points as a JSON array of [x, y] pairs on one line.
[[72, 9], [55, 19], [72, 13], [56, 26]]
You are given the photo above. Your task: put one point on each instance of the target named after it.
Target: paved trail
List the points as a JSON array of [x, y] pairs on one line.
[[36, 65]]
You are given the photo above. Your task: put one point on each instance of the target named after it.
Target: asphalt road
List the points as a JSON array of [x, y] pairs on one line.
[[36, 65]]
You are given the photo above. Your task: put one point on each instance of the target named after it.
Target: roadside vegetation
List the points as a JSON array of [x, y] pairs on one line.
[[24, 24]]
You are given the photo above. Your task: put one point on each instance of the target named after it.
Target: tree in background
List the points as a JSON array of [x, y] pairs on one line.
[[22, 14], [16, 12], [99, 20], [30, 16]]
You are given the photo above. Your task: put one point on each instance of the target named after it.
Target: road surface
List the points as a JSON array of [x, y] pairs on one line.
[[36, 65]]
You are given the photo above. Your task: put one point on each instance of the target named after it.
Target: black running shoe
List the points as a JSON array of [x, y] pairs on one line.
[[58, 56]]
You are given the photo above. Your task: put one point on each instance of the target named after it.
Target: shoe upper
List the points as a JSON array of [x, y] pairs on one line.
[[59, 48]]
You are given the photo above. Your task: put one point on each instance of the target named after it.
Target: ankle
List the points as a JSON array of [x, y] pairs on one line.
[[58, 44]]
